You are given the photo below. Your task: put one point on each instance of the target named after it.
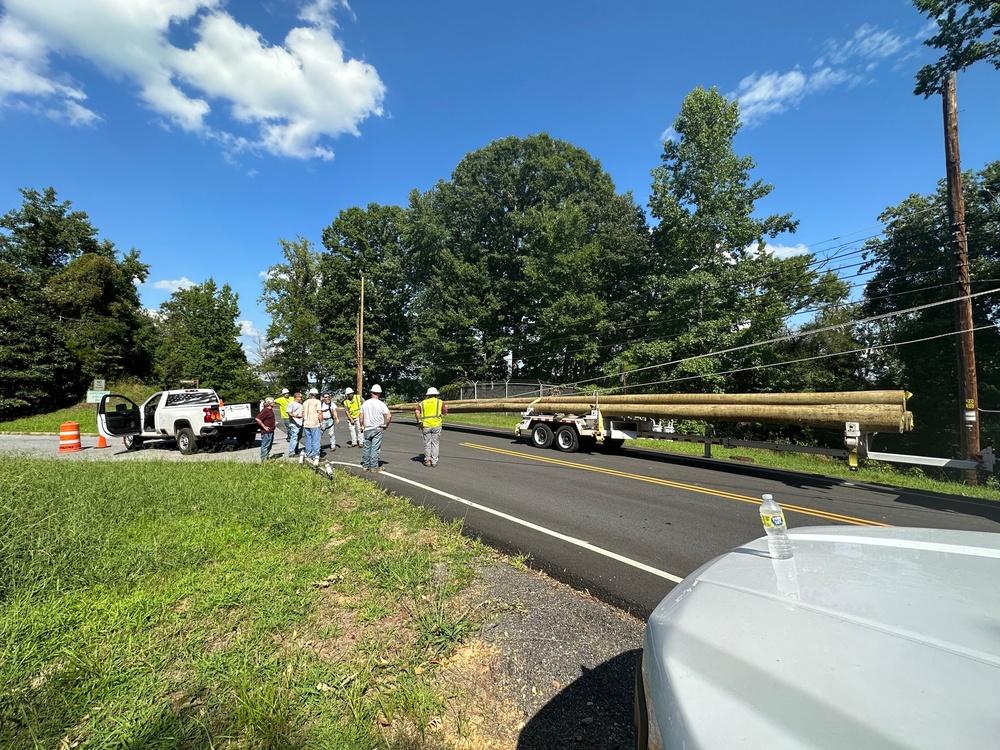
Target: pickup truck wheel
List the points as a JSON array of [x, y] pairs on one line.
[[541, 436], [186, 442], [246, 439], [567, 440], [132, 443]]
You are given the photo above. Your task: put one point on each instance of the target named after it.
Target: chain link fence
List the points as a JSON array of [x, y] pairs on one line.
[[486, 389]]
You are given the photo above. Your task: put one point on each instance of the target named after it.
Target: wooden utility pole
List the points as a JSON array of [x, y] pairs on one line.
[[359, 341], [968, 389]]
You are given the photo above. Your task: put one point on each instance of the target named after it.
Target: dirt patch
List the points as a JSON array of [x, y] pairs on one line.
[[550, 667]]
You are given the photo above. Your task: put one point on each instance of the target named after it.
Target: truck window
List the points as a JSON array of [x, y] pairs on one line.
[[193, 398]]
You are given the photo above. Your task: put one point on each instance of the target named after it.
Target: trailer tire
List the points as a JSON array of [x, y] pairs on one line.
[[613, 444], [186, 441], [541, 436], [567, 440]]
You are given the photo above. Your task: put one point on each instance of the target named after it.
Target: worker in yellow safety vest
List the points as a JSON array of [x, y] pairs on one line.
[[282, 402], [352, 406], [429, 414]]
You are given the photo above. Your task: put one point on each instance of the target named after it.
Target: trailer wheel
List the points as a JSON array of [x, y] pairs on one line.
[[186, 441], [567, 440], [613, 444], [541, 436]]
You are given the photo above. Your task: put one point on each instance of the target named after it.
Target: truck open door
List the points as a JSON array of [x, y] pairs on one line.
[[118, 416]]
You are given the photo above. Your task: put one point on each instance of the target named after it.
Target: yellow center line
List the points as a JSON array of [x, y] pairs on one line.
[[840, 518]]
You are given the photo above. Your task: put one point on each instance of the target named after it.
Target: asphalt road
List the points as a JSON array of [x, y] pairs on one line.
[[623, 526]]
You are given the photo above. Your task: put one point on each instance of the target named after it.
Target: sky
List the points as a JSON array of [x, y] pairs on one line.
[[203, 132]]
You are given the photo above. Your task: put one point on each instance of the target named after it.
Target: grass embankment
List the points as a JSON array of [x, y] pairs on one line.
[[83, 414], [163, 605], [934, 480]]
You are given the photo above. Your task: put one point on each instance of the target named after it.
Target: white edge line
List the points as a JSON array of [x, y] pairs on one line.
[[534, 527]]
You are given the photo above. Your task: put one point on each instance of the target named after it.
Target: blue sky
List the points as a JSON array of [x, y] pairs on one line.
[[201, 132]]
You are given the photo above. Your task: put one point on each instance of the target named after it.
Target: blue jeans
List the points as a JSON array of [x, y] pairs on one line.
[[266, 439], [293, 438], [373, 445], [313, 435]]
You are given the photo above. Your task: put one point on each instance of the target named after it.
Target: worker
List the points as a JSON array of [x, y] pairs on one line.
[[375, 418], [429, 414], [352, 406], [282, 403]]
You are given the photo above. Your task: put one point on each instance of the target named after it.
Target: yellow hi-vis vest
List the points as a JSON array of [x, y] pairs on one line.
[[430, 412], [353, 406]]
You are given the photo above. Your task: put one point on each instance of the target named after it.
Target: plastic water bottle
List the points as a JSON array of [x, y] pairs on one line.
[[773, 518]]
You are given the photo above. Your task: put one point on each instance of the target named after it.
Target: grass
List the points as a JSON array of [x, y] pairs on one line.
[[165, 605], [875, 472], [83, 414]]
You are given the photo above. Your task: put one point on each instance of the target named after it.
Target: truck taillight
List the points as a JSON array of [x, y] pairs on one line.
[[212, 414]]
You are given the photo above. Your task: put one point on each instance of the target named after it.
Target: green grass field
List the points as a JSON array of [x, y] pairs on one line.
[[170, 605]]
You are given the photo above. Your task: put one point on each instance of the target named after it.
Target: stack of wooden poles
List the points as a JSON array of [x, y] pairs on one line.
[[876, 411]]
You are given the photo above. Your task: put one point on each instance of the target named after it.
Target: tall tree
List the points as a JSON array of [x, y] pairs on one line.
[[968, 32], [524, 261], [290, 295], [200, 341], [71, 298], [713, 285], [101, 317], [367, 242], [911, 265], [37, 370], [43, 235]]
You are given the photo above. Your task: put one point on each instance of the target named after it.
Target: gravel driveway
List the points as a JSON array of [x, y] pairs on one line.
[[562, 662]]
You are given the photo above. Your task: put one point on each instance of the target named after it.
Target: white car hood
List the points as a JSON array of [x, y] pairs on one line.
[[866, 638]]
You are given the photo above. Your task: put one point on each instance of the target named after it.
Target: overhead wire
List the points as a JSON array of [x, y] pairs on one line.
[[788, 337]]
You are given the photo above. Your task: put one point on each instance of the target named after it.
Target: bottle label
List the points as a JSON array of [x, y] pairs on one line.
[[773, 521]]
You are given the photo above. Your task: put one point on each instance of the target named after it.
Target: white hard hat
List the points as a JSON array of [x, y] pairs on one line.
[[284, 391], [432, 391], [376, 388], [313, 392], [348, 391]]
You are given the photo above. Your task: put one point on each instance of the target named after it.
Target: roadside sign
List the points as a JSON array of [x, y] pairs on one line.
[[95, 396], [98, 384]]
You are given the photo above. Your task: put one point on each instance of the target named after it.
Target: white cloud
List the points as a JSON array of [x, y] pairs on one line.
[[288, 98], [851, 62], [868, 43], [27, 83], [772, 93], [787, 251], [172, 285], [247, 329]]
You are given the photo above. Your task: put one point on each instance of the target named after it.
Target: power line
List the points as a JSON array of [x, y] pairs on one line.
[[811, 359], [788, 337]]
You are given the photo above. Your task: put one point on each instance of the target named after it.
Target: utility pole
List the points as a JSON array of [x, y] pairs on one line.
[[359, 341], [968, 389]]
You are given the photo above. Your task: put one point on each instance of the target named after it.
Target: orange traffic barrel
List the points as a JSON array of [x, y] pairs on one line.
[[69, 437]]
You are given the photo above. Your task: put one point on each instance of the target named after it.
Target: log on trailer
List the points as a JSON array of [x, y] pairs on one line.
[[875, 411]]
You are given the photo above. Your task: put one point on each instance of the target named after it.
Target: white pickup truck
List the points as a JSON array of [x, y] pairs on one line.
[[193, 417]]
